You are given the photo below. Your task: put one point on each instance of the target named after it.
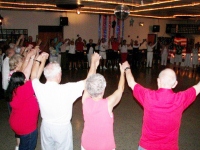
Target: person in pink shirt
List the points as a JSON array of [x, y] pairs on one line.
[[97, 111], [163, 109]]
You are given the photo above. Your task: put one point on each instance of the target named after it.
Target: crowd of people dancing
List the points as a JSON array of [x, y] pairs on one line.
[[24, 62]]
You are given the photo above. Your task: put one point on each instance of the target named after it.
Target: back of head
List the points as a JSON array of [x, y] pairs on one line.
[[10, 52], [17, 79], [95, 85], [14, 61], [52, 70], [167, 78]]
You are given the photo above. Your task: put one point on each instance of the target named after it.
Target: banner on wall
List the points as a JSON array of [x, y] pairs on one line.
[[107, 23], [183, 41]]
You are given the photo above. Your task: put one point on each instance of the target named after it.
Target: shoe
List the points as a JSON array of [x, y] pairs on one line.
[[104, 67], [101, 68], [76, 69], [115, 67], [110, 67], [70, 68]]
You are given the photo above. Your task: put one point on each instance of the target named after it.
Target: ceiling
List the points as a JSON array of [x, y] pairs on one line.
[[177, 9]]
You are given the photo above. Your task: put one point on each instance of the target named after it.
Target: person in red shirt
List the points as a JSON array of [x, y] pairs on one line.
[[163, 109], [115, 48], [24, 106], [80, 51]]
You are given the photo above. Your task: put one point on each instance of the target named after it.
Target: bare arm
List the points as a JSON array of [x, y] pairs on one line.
[[153, 45], [93, 67], [197, 88], [114, 99], [19, 39], [38, 65], [129, 76]]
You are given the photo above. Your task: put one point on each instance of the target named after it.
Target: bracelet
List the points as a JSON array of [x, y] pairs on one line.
[[127, 68], [38, 61]]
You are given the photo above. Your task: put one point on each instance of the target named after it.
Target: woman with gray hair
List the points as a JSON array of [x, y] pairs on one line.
[[97, 112]]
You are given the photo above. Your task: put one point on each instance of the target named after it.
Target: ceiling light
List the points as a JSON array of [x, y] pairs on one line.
[[141, 24], [122, 11]]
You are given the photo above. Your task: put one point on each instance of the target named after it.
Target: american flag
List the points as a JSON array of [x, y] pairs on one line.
[[182, 40]]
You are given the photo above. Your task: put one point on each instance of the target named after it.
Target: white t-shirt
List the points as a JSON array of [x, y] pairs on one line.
[[56, 100], [72, 49], [124, 49], [103, 46], [5, 73]]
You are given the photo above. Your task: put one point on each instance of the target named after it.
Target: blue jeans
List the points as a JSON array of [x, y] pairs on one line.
[[28, 141], [141, 148]]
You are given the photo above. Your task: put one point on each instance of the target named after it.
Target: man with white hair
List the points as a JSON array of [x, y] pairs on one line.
[[162, 109], [55, 102]]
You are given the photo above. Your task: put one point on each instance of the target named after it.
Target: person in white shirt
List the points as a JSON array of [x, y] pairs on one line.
[[6, 68], [124, 50], [102, 52], [64, 54], [150, 47], [72, 55], [55, 102], [164, 52], [195, 57]]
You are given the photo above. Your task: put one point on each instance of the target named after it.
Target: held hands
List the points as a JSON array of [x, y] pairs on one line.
[[125, 65], [45, 55], [42, 57]]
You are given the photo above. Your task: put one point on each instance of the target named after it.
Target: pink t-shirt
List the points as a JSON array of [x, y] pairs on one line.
[[98, 126], [25, 110], [162, 116]]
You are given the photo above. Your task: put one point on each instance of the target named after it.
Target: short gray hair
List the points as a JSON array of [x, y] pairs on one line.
[[95, 85], [51, 70], [14, 61]]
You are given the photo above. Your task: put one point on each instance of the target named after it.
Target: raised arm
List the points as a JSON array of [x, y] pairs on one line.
[[20, 39], [114, 99], [129, 76], [94, 64], [38, 65], [93, 68], [28, 63], [154, 45], [197, 88]]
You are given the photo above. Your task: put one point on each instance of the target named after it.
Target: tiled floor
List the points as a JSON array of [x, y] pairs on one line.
[[128, 114]]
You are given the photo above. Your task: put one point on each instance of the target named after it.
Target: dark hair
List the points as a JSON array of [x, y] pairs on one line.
[[17, 79]]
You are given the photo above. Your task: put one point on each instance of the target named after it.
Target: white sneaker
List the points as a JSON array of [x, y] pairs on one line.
[[115, 67], [104, 67]]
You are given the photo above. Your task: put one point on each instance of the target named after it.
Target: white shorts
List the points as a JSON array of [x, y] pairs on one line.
[[55, 136], [178, 58], [102, 54]]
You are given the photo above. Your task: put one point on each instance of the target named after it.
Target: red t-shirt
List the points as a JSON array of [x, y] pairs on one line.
[[25, 110], [79, 46], [115, 46], [162, 116]]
